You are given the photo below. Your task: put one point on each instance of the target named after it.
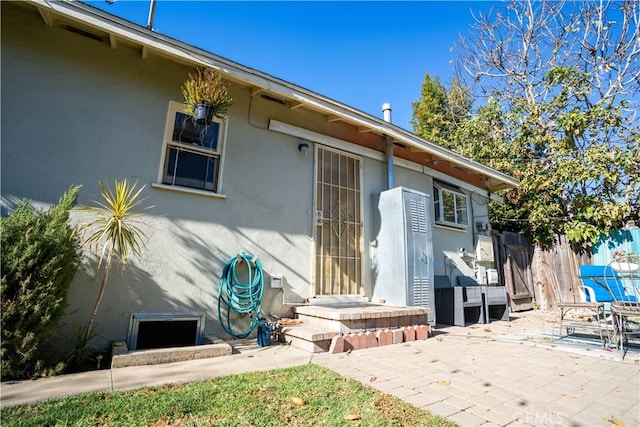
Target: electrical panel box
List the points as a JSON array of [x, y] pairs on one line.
[[484, 249], [402, 249]]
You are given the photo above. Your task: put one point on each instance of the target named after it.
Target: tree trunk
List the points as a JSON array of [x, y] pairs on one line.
[[103, 286]]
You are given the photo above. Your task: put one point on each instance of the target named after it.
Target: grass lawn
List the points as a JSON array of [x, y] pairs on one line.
[[308, 395]]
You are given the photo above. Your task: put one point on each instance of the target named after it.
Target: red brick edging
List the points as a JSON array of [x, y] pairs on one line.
[[347, 342]]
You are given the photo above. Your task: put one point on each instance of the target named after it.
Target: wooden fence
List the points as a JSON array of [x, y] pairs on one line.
[[529, 271]]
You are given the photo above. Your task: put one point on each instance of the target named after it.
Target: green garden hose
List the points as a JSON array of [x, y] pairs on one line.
[[245, 299]]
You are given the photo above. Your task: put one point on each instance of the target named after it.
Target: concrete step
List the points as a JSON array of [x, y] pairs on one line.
[[123, 358], [354, 325], [361, 317], [309, 337]]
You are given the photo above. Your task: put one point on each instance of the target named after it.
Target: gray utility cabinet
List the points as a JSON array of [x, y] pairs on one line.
[[402, 249]]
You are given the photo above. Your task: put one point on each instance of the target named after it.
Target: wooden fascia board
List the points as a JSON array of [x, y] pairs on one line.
[[453, 158], [413, 141]]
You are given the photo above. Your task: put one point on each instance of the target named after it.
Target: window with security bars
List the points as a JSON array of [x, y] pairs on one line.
[[192, 153], [450, 205]]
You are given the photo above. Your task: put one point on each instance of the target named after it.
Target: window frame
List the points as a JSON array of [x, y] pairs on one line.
[[439, 215], [168, 142]]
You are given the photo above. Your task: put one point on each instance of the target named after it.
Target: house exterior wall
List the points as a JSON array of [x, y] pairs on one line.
[[76, 111]]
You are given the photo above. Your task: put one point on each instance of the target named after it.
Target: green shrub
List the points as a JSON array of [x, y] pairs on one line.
[[40, 256]]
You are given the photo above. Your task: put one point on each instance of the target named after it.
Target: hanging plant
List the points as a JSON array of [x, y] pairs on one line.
[[206, 95], [624, 261]]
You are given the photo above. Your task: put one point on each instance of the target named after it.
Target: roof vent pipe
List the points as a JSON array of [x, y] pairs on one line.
[[386, 112], [152, 14], [388, 150]]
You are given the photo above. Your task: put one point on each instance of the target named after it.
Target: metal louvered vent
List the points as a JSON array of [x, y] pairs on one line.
[[421, 291], [83, 33], [418, 212], [273, 99]]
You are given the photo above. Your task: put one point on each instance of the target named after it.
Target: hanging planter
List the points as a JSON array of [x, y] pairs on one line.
[[206, 95], [625, 267], [624, 261], [203, 113]]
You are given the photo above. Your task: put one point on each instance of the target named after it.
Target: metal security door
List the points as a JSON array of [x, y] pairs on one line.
[[338, 269]]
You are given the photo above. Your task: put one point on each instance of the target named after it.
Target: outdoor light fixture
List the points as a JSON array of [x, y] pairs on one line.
[[303, 147]]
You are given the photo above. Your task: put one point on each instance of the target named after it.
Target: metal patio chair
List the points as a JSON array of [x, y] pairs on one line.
[[564, 305], [622, 278]]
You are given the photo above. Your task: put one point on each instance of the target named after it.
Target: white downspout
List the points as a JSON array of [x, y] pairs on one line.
[[388, 149]]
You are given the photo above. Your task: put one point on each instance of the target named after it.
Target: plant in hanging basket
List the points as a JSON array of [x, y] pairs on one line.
[[625, 261], [206, 95]]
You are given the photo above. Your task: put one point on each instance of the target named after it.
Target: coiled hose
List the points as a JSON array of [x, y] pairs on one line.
[[239, 297]]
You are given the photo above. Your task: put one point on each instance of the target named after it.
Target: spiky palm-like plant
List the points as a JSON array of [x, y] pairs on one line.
[[114, 232]]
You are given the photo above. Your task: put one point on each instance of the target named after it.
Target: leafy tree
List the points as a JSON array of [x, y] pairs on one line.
[[562, 83], [439, 111], [114, 232], [40, 257]]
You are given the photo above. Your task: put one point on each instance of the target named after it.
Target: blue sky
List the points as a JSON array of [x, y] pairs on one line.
[[359, 53]]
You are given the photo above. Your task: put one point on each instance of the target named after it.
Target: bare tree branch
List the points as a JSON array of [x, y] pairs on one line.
[[565, 76]]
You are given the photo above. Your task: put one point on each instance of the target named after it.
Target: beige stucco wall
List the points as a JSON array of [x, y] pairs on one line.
[[75, 111]]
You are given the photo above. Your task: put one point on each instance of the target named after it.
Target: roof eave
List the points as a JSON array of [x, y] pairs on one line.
[[121, 29]]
